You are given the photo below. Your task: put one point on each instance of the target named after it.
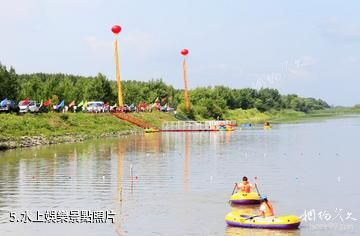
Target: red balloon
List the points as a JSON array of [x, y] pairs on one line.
[[184, 52], [116, 29]]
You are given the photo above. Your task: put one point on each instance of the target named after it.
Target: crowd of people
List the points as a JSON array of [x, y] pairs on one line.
[[28, 105]]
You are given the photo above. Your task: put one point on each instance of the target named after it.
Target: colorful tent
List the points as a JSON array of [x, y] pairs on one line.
[[72, 103], [26, 101], [47, 103], [3, 102], [61, 104], [164, 99], [81, 103], [112, 107]]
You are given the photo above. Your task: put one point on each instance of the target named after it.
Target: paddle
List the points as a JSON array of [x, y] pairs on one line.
[[257, 190], [249, 218], [233, 191]]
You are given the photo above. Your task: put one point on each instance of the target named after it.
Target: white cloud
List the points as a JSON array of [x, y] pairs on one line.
[[302, 66], [306, 61], [337, 29], [142, 45], [98, 45], [15, 9]]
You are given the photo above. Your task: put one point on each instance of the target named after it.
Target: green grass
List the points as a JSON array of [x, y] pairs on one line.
[[286, 116], [293, 116], [156, 118], [252, 116], [55, 124]]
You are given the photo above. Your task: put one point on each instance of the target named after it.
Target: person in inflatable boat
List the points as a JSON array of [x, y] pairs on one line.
[[245, 186], [266, 209]]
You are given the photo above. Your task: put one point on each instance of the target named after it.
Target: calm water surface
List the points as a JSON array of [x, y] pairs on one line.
[[179, 183]]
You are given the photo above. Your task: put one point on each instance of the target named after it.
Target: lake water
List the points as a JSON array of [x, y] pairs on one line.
[[179, 183]]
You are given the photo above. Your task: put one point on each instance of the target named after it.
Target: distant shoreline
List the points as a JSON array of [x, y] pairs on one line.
[[253, 116], [54, 128]]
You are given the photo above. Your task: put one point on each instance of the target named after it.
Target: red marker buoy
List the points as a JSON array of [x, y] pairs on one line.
[[184, 52], [116, 29]]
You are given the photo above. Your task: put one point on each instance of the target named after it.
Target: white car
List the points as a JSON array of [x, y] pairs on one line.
[[28, 106], [95, 107]]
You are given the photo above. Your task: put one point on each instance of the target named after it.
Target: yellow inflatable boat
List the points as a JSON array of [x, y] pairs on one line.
[[267, 126], [254, 221], [151, 130], [245, 198], [226, 128], [230, 128]]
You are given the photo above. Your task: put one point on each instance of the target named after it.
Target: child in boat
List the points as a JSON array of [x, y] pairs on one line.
[[266, 209], [245, 186]]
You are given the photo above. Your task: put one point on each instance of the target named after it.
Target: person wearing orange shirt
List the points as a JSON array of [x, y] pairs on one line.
[[245, 186], [266, 209]]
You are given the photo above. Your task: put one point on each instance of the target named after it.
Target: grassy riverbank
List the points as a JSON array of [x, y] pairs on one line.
[[50, 128], [286, 116], [49, 124]]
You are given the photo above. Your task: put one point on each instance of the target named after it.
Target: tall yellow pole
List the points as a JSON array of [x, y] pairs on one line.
[[187, 105], [120, 97]]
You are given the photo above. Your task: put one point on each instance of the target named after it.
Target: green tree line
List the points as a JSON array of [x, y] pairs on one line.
[[214, 101], [205, 101]]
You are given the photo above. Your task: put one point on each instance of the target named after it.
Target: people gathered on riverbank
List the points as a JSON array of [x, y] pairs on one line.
[[32, 106]]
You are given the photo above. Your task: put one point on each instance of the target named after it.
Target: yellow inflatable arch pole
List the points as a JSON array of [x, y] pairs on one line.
[[185, 52], [116, 29]]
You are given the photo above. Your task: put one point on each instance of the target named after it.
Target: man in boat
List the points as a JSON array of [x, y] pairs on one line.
[[245, 186], [266, 209]]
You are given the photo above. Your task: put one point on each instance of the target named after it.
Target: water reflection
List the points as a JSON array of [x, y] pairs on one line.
[[119, 195], [179, 184], [186, 162], [236, 231]]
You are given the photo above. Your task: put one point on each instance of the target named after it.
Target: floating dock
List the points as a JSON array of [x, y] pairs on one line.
[[179, 126], [195, 126]]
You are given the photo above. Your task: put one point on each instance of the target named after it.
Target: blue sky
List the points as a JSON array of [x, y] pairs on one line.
[[311, 48]]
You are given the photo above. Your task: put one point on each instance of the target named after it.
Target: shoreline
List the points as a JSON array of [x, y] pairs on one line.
[[253, 116], [41, 140], [47, 129], [31, 130]]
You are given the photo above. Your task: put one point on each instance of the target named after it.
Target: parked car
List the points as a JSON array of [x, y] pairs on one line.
[[95, 107], [34, 106], [8, 106], [130, 108], [29, 106]]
